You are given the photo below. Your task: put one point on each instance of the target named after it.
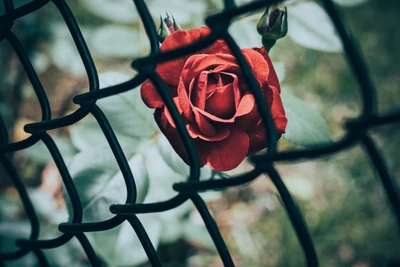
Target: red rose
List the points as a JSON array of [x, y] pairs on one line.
[[218, 109]]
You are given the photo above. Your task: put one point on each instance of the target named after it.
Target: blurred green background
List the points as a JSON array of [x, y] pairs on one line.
[[341, 197]]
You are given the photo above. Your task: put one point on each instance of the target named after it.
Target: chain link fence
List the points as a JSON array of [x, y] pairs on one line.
[[356, 134]]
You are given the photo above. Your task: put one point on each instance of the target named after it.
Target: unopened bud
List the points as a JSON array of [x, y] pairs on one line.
[[167, 26], [162, 31], [273, 25]]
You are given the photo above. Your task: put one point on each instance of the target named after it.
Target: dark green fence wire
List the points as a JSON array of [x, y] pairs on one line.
[[357, 134]]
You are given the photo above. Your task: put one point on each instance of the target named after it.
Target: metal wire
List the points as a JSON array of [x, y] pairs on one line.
[[357, 133]]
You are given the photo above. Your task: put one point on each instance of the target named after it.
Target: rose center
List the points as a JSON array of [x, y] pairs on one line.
[[220, 99]]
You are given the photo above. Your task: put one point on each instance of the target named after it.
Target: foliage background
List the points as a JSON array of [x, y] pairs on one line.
[[339, 195]]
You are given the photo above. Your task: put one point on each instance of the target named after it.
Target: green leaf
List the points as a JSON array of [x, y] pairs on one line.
[[120, 246], [349, 3], [175, 162], [165, 168], [280, 70], [43, 202], [100, 183], [161, 175], [122, 11], [184, 11], [115, 41], [130, 119], [245, 34], [173, 222], [126, 112], [198, 234], [41, 154], [306, 127], [88, 134], [66, 57], [310, 26]]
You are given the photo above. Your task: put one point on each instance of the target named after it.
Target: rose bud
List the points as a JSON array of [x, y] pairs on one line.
[[272, 26], [167, 27], [216, 105]]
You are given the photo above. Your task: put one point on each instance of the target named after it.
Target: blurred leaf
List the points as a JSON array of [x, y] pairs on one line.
[[88, 134], [14, 230], [66, 57], [184, 11], [100, 183], [43, 202], [198, 234], [280, 70], [161, 175], [120, 246], [9, 207], [173, 222], [170, 169], [245, 34], [115, 41], [41, 154], [306, 127], [40, 61], [171, 231], [9, 233], [175, 162], [311, 27], [127, 112], [122, 11], [210, 195], [350, 2]]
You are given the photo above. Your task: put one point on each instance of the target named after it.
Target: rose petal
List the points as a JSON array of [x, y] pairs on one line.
[[280, 123], [220, 134], [222, 102], [171, 70], [272, 77], [212, 117], [150, 95], [226, 154], [181, 38], [277, 110], [260, 66], [257, 135], [248, 121], [174, 138], [246, 105], [243, 109], [168, 114], [184, 101], [228, 68], [160, 118], [200, 62], [218, 47], [236, 88], [204, 125], [257, 139], [198, 90]]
